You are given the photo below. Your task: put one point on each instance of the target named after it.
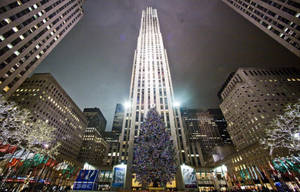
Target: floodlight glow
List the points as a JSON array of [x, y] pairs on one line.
[[176, 104], [127, 104]]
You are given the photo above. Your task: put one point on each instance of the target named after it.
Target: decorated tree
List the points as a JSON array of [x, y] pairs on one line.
[[19, 128], [284, 131], [154, 153], [42, 139], [13, 122]]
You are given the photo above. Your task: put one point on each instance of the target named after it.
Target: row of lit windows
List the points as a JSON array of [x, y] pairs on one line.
[[274, 25], [17, 53]]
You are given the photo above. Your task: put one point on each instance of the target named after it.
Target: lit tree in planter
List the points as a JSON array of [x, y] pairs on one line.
[[13, 122], [41, 138], [154, 153], [284, 130]]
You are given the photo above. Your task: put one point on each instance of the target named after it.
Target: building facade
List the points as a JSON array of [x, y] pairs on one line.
[[112, 137], [254, 96], [151, 86], [251, 98], [47, 100], [29, 30], [280, 19], [205, 130], [118, 119], [95, 119], [112, 157], [94, 147]]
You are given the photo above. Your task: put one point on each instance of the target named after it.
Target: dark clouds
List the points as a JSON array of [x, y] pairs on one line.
[[205, 41]]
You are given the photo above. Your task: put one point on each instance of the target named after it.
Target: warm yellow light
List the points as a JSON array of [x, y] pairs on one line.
[[6, 88]]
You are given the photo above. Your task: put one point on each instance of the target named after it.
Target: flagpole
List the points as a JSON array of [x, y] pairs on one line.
[[17, 172], [9, 170]]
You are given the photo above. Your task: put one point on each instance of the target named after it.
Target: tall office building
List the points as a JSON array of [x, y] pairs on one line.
[[118, 119], [220, 122], [151, 86], [47, 100], [29, 30], [94, 148], [112, 137], [95, 119], [252, 97], [205, 130], [280, 19], [112, 156]]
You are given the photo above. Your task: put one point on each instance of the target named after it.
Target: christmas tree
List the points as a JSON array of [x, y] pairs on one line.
[[154, 153]]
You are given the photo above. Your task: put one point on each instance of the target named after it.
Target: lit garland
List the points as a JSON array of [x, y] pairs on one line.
[[154, 153]]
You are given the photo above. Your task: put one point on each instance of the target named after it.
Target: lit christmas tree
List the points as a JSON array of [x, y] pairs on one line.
[[154, 153], [284, 131]]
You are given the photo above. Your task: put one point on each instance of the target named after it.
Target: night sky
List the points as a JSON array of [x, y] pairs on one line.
[[205, 41]]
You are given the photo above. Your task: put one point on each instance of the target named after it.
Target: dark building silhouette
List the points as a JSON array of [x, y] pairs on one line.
[[205, 131], [112, 137], [118, 119], [94, 147], [95, 119]]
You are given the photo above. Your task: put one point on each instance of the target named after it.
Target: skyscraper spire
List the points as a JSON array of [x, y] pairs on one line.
[[151, 85]]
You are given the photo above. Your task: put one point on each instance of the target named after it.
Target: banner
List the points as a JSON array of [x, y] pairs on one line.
[[119, 175], [87, 180], [189, 176]]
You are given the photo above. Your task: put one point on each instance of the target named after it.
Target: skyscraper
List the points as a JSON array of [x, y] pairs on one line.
[[280, 19], [118, 119], [94, 147], [29, 30], [95, 119], [151, 86], [47, 100], [112, 137], [205, 130], [252, 97]]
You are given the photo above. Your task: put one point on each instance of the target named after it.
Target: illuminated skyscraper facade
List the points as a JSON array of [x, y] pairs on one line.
[[29, 30], [280, 19], [151, 86]]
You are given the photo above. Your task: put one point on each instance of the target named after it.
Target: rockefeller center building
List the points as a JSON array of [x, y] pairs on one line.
[[95, 119], [205, 130], [280, 19], [47, 100], [94, 147], [112, 137], [29, 30], [151, 86], [251, 99]]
